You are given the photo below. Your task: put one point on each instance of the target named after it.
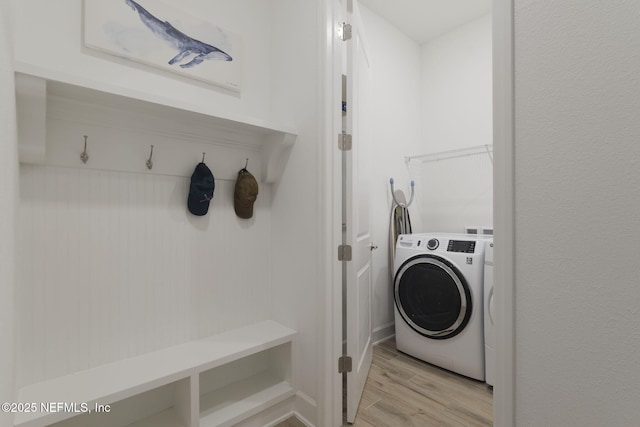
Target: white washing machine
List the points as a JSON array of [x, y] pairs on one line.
[[489, 316], [438, 296]]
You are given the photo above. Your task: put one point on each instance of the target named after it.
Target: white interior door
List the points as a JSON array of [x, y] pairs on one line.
[[357, 215]]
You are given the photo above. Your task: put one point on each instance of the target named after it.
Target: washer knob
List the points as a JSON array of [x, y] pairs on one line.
[[433, 244]]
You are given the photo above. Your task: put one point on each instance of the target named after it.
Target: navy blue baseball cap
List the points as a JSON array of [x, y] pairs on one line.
[[201, 190]]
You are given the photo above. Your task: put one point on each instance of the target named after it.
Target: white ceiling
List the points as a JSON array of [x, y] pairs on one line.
[[423, 20]]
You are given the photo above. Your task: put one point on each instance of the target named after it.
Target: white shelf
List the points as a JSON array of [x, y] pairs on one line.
[[119, 380], [243, 399], [55, 111], [116, 93]]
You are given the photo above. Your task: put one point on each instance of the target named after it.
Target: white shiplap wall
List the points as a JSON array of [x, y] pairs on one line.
[[112, 265]]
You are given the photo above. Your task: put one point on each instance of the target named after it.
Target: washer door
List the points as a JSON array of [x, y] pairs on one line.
[[432, 296]]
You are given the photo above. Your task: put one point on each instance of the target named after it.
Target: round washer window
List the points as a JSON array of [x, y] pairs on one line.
[[432, 296]]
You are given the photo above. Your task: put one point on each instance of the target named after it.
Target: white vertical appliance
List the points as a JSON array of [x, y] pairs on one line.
[[489, 316], [439, 300]]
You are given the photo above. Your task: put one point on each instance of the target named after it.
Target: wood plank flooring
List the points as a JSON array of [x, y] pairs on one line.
[[405, 392]]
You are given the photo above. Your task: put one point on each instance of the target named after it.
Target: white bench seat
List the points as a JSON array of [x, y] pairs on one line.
[[119, 380]]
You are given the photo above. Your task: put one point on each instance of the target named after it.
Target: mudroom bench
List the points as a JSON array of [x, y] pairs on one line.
[[216, 381]]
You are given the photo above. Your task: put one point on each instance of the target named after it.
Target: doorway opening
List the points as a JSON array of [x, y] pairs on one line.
[[498, 204]]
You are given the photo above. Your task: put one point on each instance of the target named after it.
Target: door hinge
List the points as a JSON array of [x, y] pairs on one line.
[[345, 141], [344, 253], [344, 364], [345, 31]]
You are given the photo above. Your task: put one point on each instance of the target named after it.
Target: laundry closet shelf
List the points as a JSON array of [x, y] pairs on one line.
[[123, 379], [55, 110]]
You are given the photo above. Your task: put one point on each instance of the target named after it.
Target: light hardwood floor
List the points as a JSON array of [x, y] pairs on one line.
[[402, 391]]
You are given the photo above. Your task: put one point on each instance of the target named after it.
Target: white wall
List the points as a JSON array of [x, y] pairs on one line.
[[137, 272], [577, 88], [456, 113], [395, 130], [456, 87], [8, 207], [133, 238], [296, 254], [112, 265], [57, 45]]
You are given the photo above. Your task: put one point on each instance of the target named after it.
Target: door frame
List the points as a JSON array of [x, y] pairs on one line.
[[330, 319], [504, 407], [330, 337]]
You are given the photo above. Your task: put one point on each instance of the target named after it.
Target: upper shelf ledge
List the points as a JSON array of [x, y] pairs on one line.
[[35, 86]]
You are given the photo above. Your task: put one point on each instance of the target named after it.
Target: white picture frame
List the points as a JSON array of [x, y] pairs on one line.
[[156, 34]]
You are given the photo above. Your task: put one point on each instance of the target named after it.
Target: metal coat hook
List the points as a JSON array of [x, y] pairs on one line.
[[246, 164], [149, 161], [84, 156], [393, 194], [203, 154]]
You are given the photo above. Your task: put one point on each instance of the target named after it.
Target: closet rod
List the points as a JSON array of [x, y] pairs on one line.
[[452, 154]]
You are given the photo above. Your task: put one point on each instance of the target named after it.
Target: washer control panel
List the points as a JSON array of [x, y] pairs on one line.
[[464, 246], [436, 243]]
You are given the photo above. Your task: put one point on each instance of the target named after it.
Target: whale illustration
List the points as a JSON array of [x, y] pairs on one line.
[[186, 45]]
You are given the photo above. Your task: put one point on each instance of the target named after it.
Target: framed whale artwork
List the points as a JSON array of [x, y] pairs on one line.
[[165, 37]]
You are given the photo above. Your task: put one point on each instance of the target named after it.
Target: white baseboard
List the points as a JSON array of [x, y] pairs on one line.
[[300, 406], [303, 420], [306, 409], [384, 332], [289, 415], [281, 419]]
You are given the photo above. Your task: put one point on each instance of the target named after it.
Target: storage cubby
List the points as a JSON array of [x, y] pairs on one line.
[[160, 407], [215, 381], [237, 390]]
